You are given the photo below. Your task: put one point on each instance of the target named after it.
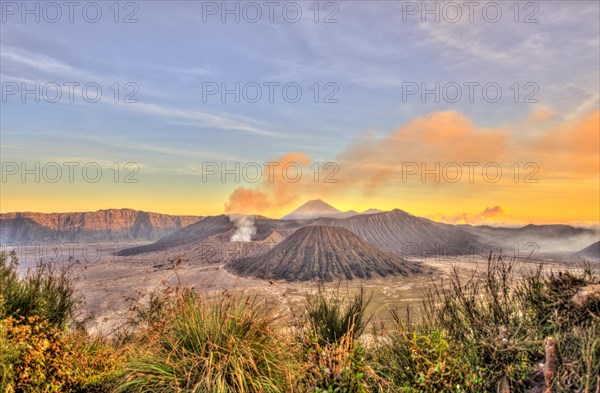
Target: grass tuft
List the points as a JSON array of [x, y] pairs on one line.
[[228, 344]]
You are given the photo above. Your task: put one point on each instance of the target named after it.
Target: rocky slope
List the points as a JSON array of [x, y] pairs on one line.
[[407, 235], [396, 231], [324, 253], [102, 225], [218, 229]]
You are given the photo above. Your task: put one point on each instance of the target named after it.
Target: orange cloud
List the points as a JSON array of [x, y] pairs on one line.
[[275, 189], [442, 137], [370, 162], [563, 152], [572, 148], [541, 113], [245, 200], [489, 214]]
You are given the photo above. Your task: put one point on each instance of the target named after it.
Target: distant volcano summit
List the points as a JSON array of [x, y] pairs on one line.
[[317, 208], [324, 253], [313, 209]]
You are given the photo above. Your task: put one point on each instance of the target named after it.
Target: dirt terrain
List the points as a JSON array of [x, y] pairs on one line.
[[110, 284]]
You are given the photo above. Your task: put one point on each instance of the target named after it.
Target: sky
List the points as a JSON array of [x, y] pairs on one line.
[[483, 115]]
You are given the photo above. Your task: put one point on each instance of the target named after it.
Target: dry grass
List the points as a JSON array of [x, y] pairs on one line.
[[472, 334]]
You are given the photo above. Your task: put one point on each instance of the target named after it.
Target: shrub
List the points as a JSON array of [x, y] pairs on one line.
[[48, 291], [488, 330], [229, 344], [339, 366], [419, 360], [37, 352], [334, 361], [37, 357], [550, 308], [484, 316], [335, 315]]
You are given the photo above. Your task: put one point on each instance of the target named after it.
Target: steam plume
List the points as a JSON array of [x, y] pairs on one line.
[[245, 228]]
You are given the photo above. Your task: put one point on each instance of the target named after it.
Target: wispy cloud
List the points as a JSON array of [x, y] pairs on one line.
[[201, 119], [12, 56]]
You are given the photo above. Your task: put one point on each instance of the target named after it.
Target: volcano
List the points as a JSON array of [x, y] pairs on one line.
[[313, 209], [395, 231], [325, 253], [403, 234]]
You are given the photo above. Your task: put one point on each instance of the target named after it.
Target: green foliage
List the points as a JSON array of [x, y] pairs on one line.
[[484, 316], [225, 345], [550, 310], [334, 361], [48, 291], [334, 314], [489, 329], [424, 361], [37, 352], [37, 357], [473, 334], [334, 367]]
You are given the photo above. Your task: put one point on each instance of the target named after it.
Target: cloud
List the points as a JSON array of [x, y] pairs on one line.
[[17, 59], [370, 163], [245, 200], [201, 119], [441, 137], [276, 188], [489, 214], [570, 149]]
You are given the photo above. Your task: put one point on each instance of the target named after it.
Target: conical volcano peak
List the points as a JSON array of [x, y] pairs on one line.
[[313, 209]]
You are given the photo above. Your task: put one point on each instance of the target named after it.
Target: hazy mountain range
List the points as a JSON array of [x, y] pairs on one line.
[[315, 241], [395, 231], [546, 237], [101, 225]]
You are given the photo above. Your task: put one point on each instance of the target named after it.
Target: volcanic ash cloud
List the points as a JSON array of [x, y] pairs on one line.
[[245, 228]]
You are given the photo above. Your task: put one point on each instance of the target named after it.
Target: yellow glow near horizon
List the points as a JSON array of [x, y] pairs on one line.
[[567, 190]]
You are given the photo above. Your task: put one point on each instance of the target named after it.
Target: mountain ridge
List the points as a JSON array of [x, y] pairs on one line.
[[100, 225], [319, 252], [405, 234]]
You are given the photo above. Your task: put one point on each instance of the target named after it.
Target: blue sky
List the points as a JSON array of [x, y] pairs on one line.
[[170, 52]]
